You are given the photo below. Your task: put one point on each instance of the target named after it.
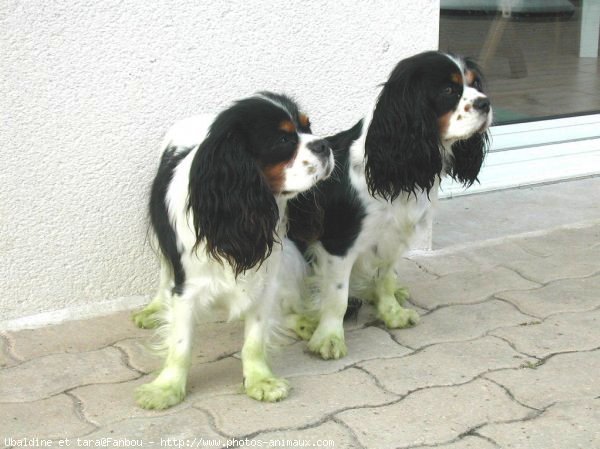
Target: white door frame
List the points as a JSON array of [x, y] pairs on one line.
[[535, 153]]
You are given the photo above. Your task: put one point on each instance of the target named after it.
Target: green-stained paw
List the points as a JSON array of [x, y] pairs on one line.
[[305, 327], [398, 317], [147, 318], [159, 396], [401, 294], [329, 347], [269, 389]]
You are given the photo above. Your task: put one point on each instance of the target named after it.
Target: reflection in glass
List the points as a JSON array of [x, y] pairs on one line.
[[540, 57]]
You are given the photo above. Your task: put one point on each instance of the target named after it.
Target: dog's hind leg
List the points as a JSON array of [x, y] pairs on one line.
[[150, 316], [388, 299], [168, 388], [304, 326]]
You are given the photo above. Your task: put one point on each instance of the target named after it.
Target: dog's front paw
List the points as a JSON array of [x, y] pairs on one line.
[[268, 389], [147, 318], [398, 317], [330, 346], [158, 396]]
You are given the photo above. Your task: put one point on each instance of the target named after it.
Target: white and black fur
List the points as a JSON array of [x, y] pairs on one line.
[[430, 120], [218, 213]]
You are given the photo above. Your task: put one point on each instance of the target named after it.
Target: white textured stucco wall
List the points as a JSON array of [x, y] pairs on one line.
[[88, 88]]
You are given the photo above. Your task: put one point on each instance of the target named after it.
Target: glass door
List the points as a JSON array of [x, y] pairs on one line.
[[540, 59]]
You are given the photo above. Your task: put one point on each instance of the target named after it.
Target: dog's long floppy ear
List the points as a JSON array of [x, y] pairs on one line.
[[235, 212], [403, 144], [468, 158]]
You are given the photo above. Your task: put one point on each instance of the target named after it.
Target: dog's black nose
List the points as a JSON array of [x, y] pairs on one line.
[[319, 146], [482, 104]]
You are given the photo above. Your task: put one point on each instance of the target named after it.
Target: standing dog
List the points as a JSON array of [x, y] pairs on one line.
[[218, 212], [430, 120]]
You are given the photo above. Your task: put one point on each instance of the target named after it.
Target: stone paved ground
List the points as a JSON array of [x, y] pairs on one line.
[[507, 355]]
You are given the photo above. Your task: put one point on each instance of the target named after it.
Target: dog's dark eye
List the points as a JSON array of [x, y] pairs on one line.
[[287, 139]]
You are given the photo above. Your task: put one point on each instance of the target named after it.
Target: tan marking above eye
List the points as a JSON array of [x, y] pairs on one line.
[[456, 78], [287, 126], [470, 77], [304, 121]]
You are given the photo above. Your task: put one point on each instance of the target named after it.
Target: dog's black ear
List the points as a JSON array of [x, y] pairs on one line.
[[468, 158], [402, 146], [234, 210]]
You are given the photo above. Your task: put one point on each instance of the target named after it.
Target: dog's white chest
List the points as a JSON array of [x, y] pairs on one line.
[[388, 226]]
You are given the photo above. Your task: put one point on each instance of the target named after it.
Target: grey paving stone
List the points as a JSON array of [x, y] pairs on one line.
[[566, 425], [75, 336], [363, 344], [561, 378], [474, 218], [139, 354], [467, 287], [489, 256], [445, 263], [187, 428], [6, 359], [420, 310], [432, 416], [408, 273], [444, 364], [562, 242], [107, 403], [66, 357], [212, 341], [572, 295], [329, 434], [49, 418], [458, 323], [311, 399], [558, 333], [46, 376], [540, 257], [468, 442], [573, 264]]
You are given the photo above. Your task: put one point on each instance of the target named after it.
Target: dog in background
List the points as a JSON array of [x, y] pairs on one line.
[[430, 120], [218, 213]]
